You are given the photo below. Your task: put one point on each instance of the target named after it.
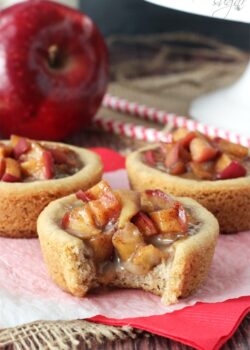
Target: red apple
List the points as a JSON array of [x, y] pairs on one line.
[[53, 70], [232, 171]]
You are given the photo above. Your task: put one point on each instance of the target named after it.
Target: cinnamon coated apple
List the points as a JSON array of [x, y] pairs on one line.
[[149, 240], [33, 173], [213, 171]]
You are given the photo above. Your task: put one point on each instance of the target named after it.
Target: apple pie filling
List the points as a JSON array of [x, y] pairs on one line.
[[24, 160], [193, 155], [125, 229]]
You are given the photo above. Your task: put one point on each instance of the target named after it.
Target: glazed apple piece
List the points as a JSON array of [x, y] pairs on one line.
[[104, 203], [179, 134], [80, 222], [63, 155], [203, 171], [201, 150], [130, 203], [106, 209], [183, 136], [149, 158], [48, 165], [12, 172], [5, 150], [83, 196], [178, 168], [145, 258], [232, 171], [37, 163], [173, 155], [145, 225], [173, 219], [102, 246], [2, 167], [232, 148], [98, 190], [31, 168], [126, 240], [20, 145], [222, 162], [152, 200]]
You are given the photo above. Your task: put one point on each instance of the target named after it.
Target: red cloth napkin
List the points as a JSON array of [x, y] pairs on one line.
[[202, 326]]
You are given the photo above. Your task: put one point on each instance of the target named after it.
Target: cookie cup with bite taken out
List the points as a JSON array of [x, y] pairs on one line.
[[214, 172], [104, 237], [35, 173]]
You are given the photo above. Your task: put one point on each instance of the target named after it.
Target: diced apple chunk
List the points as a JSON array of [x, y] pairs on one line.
[[48, 165], [149, 157], [173, 219], [126, 240], [83, 196], [102, 246], [183, 136], [201, 150], [5, 150], [98, 190], [145, 225], [12, 171], [232, 148], [152, 200], [130, 204], [63, 155], [223, 161], [176, 159], [173, 155], [178, 168], [203, 171], [22, 146], [2, 167], [105, 209], [80, 222], [179, 134], [14, 139], [32, 168], [232, 171], [146, 258]]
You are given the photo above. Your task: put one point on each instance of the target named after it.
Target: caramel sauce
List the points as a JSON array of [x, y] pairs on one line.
[[128, 247]]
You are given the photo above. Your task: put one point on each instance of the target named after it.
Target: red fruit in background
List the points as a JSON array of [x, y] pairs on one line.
[[53, 70]]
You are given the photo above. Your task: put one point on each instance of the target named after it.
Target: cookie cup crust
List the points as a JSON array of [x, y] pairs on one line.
[[21, 203], [228, 200], [70, 265]]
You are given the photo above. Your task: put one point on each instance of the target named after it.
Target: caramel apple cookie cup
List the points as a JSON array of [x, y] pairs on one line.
[[228, 199], [22, 202], [176, 268]]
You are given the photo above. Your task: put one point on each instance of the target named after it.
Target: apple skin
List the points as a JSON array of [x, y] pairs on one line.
[[54, 70]]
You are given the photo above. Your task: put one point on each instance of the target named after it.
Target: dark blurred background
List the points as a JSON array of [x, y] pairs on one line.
[[140, 17]]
